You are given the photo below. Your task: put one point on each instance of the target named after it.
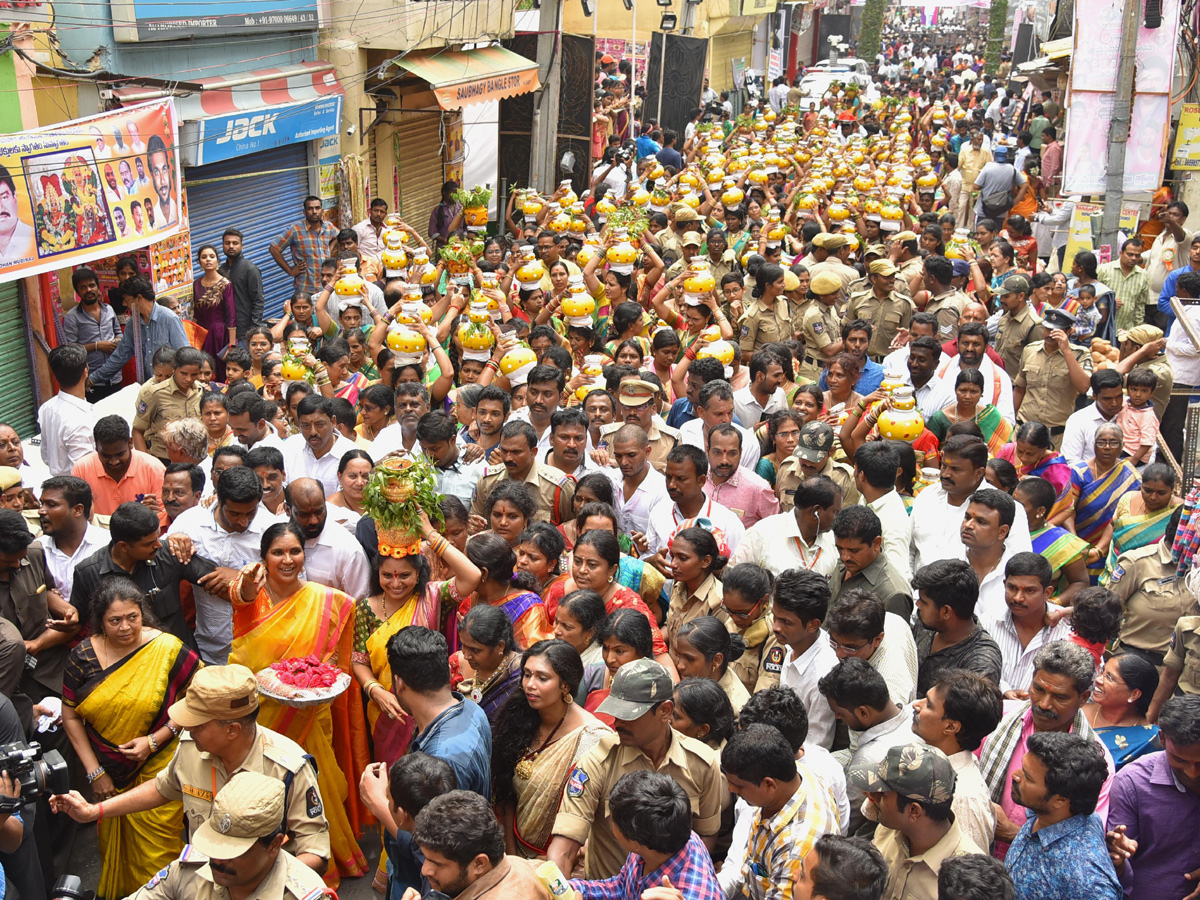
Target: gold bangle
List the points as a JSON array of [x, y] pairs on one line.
[[370, 684]]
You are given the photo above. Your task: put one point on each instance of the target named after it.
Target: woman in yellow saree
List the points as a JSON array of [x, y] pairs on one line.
[[117, 688], [537, 738], [401, 595], [278, 616]]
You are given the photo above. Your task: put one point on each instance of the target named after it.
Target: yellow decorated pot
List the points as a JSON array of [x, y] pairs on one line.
[[293, 370], [405, 340], [721, 351], [732, 196], [621, 256], [578, 306], [349, 283], [570, 196], [699, 282], [475, 216], [902, 422], [640, 198], [394, 261]]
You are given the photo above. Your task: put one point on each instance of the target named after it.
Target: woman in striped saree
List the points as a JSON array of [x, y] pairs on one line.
[[1096, 487]]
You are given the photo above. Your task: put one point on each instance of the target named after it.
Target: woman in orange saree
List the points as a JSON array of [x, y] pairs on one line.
[[278, 616]]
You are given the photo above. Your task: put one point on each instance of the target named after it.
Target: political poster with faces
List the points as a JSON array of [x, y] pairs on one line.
[[88, 189]]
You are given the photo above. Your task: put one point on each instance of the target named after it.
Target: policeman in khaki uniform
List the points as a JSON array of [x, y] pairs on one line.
[[228, 852], [637, 397], [1018, 327], [906, 254], [640, 701], [1147, 582], [176, 398], [883, 306], [821, 327], [552, 489], [814, 456], [1051, 375], [945, 300], [1181, 663], [222, 739], [762, 324], [830, 248]]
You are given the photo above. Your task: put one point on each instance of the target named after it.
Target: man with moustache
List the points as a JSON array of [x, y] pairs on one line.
[[1022, 630], [1061, 685], [972, 344], [972, 312], [733, 485], [94, 325], [492, 406], [246, 279], [316, 451], [183, 485], [411, 402], [568, 443], [16, 237], [640, 702], [553, 491], [687, 471], [543, 393], [636, 406], [162, 174]]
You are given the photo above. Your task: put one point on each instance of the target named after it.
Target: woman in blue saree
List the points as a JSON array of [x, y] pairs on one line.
[[1117, 710], [1096, 486]]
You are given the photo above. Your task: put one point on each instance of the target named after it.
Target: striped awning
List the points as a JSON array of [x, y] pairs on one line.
[[460, 77], [242, 91]]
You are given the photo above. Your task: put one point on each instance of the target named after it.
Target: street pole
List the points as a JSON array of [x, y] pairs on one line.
[[1118, 134], [543, 152]]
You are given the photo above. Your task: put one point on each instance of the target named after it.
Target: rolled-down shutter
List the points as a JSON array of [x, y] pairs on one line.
[[723, 49], [418, 153], [261, 195], [17, 406]]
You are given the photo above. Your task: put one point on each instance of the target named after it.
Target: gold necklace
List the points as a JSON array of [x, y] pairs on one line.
[[524, 767]]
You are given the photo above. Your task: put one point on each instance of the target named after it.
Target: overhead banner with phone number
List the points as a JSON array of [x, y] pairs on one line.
[[89, 188]]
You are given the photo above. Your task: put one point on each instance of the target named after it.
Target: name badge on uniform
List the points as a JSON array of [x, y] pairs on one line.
[[774, 661], [1170, 579], [198, 793]]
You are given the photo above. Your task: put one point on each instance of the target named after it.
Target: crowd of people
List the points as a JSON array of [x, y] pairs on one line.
[[796, 535]]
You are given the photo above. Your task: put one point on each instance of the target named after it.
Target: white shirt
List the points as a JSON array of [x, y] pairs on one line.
[[270, 439], [389, 440], [873, 747], [997, 386], [991, 604], [896, 659], [750, 412], [801, 674], [937, 528], [634, 511], [61, 566], [897, 531], [1181, 352], [972, 803], [775, 544], [214, 615], [335, 559], [66, 424], [20, 244], [692, 433], [460, 479], [666, 519], [1079, 435], [1016, 662], [300, 462]]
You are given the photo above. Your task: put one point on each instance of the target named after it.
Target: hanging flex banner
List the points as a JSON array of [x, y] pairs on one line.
[[89, 188]]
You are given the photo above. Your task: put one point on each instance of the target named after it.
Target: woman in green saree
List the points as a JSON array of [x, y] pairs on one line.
[[967, 406], [1142, 516]]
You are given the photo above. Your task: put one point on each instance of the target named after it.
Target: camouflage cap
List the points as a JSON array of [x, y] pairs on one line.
[[917, 771], [816, 441]]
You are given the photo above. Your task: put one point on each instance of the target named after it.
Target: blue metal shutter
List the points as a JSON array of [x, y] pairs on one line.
[[17, 405], [261, 195]]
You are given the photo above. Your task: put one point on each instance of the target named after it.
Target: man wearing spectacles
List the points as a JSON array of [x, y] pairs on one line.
[[1080, 432], [859, 626]]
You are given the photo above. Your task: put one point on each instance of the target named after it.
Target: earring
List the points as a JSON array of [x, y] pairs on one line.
[[567, 698]]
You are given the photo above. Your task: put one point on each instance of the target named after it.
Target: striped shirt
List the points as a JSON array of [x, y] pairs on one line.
[[1016, 662], [1133, 290], [310, 247]]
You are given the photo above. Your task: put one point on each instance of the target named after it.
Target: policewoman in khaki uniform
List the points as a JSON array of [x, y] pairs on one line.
[[1147, 582], [239, 848], [883, 306], [222, 739], [640, 701], [176, 398], [1051, 375], [763, 324], [821, 327]]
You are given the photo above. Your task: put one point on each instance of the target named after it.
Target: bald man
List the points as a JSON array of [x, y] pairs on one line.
[[332, 556]]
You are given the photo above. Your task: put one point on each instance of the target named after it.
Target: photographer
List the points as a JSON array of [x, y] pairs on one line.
[[19, 861], [614, 171]]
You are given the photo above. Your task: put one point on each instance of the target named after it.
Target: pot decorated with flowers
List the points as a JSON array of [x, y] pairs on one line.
[[398, 490], [474, 335], [475, 206]]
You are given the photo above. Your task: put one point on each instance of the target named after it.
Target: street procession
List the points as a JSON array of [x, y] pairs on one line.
[[502, 450]]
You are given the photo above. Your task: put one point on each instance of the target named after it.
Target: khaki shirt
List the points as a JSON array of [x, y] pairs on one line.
[[584, 813], [1148, 586], [190, 878], [759, 667], [553, 491], [1013, 335], [909, 269], [835, 266], [789, 476], [1049, 395], [662, 437], [669, 242], [762, 324], [887, 317], [915, 877], [161, 403], [1166, 380], [705, 602], [194, 777], [1183, 654], [948, 308], [819, 328]]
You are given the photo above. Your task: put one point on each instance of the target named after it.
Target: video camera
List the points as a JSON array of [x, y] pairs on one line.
[[37, 772], [70, 887]]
